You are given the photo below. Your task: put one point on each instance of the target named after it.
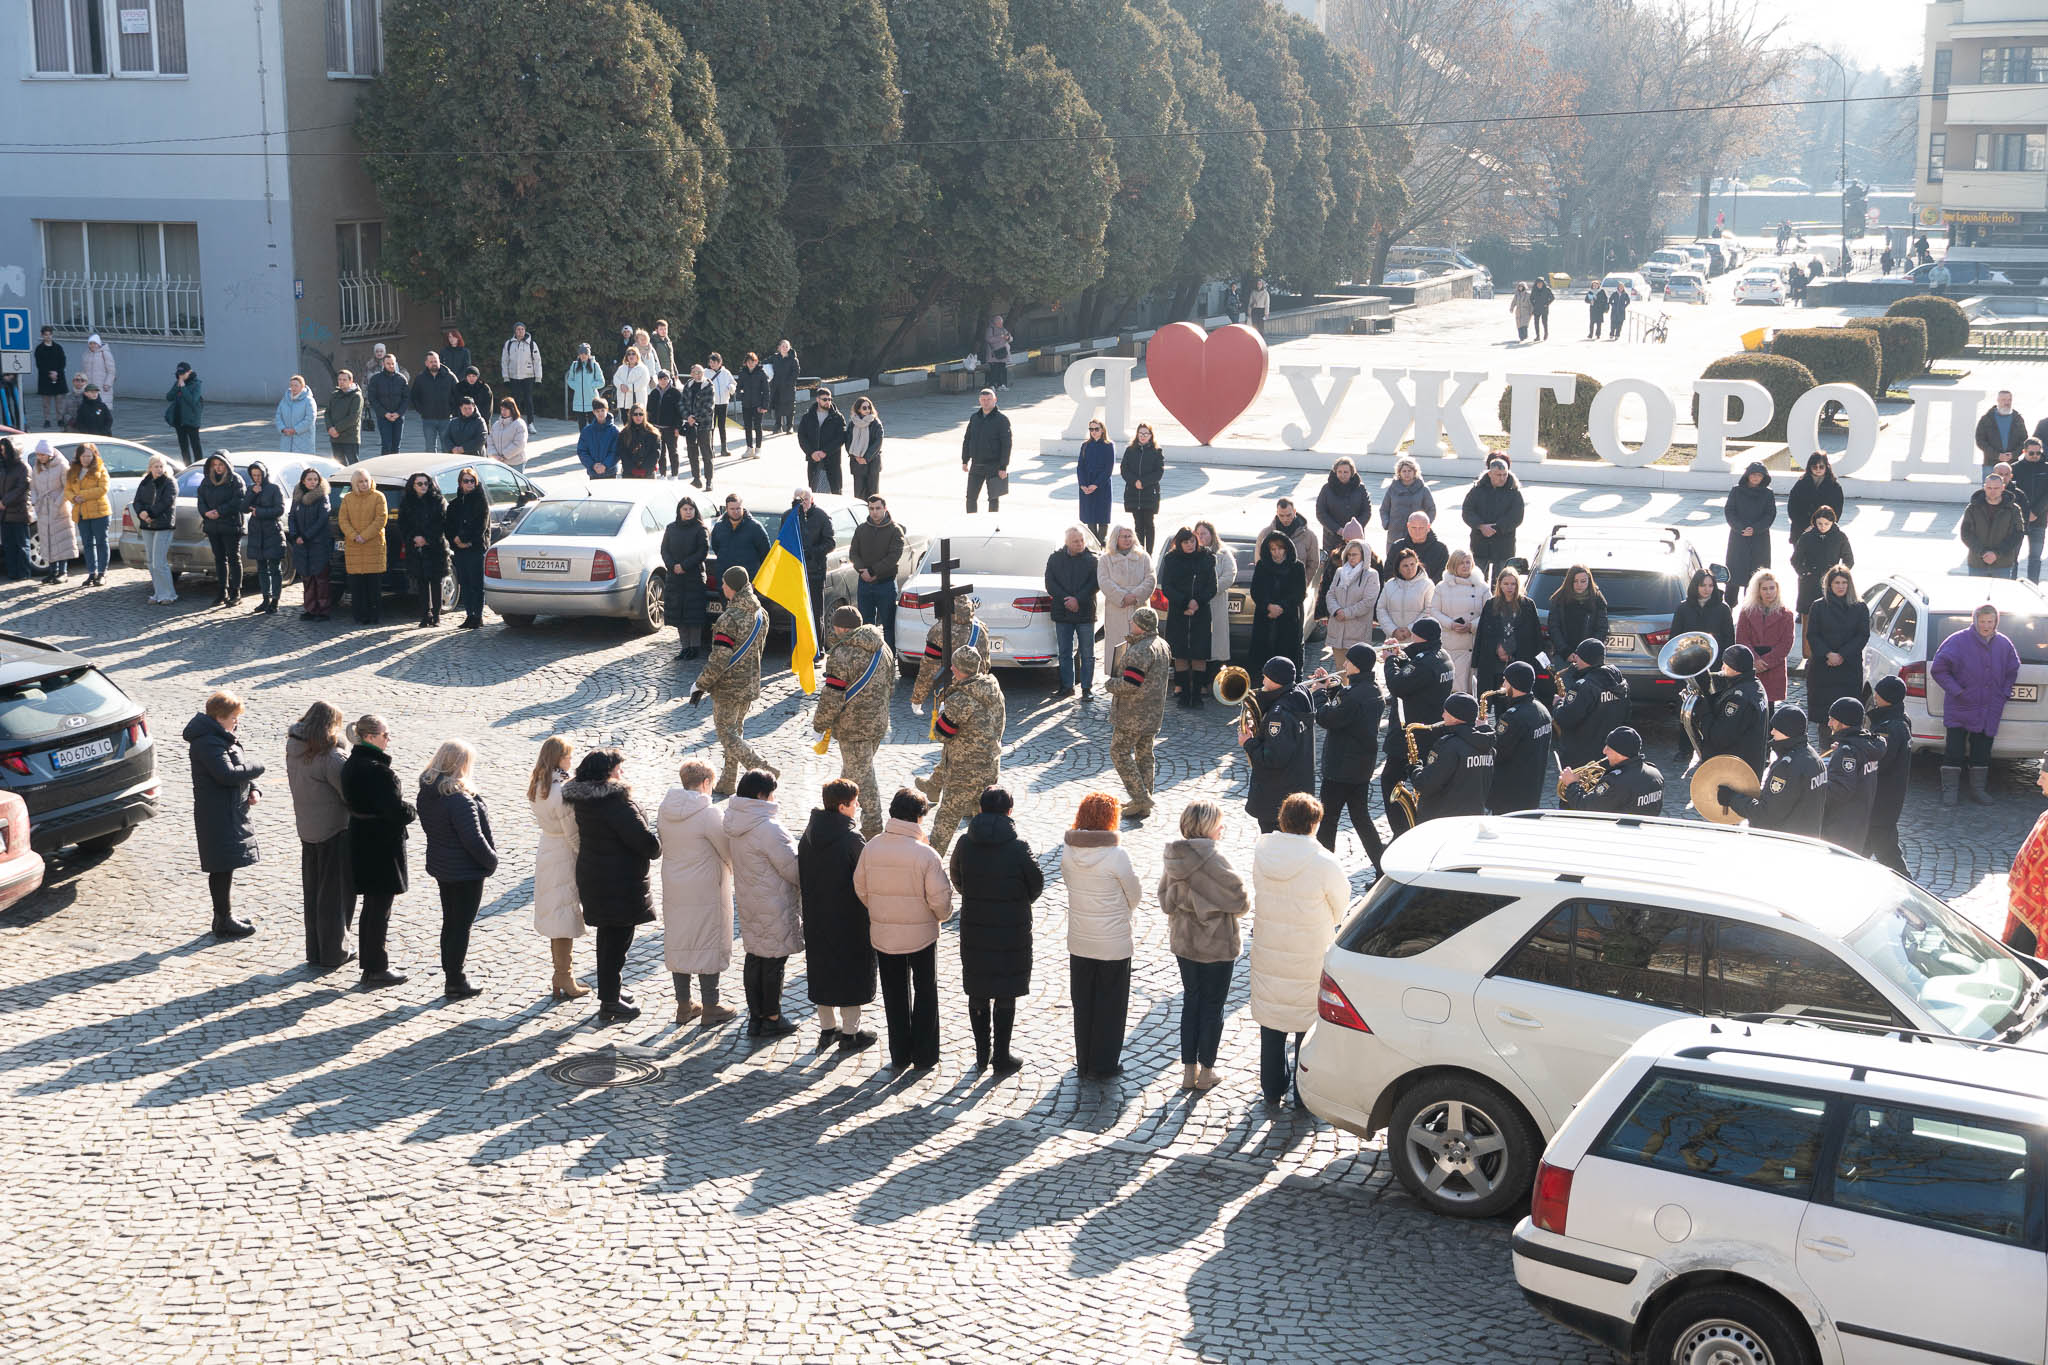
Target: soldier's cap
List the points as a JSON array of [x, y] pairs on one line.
[[966, 661], [1626, 741], [1463, 705], [1891, 688], [1848, 711], [845, 618], [1519, 675], [736, 577], [1741, 658], [1146, 619], [1592, 652], [1789, 721]]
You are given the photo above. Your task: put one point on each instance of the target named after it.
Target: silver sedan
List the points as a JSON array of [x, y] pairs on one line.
[[589, 556]]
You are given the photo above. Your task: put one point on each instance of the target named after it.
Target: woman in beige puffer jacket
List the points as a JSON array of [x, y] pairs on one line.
[[1459, 598], [1125, 575], [1203, 899], [764, 891], [902, 881], [1353, 599]]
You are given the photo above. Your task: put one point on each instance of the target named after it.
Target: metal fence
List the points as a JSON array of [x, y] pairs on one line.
[[123, 305], [369, 306]]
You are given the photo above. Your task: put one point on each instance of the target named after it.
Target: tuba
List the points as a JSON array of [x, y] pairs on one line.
[[1404, 801], [1233, 687], [1690, 657]]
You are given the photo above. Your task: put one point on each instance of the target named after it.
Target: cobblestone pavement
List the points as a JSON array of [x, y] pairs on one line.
[[220, 1155]]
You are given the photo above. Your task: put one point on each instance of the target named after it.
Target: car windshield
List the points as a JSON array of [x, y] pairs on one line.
[[1627, 594], [1968, 982], [1017, 556], [42, 707], [122, 462], [2029, 634], [575, 517]]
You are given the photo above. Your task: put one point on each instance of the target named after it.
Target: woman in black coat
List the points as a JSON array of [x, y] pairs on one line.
[[1751, 510], [1578, 611], [377, 817], [223, 790], [1187, 575], [683, 547], [423, 541], [1144, 465], [1817, 488], [309, 526], [468, 528], [616, 847], [1837, 629], [839, 959], [1509, 630], [264, 543], [1705, 608], [461, 855], [998, 878], [1823, 545], [1278, 586]]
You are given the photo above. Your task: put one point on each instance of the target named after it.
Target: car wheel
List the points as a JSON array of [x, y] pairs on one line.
[[653, 605], [1725, 1325], [1462, 1146], [451, 591], [35, 555], [519, 618], [106, 843]]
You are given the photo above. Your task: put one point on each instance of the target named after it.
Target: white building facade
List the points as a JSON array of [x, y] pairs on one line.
[[1984, 123]]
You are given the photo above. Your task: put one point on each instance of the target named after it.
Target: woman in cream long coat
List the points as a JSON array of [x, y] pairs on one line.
[[1125, 574], [1456, 604], [1219, 605], [557, 910], [1353, 599], [696, 893], [56, 532], [1299, 896]]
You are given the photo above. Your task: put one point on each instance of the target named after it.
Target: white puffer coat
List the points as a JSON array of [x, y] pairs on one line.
[[56, 532], [557, 913], [1102, 893], [1455, 597], [1358, 598], [1403, 601], [696, 883], [764, 885], [1121, 576], [1299, 896]]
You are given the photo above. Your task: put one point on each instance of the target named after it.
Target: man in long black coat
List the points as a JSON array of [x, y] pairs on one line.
[[1889, 722], [1521, 744], [839, 961], [377, 816]]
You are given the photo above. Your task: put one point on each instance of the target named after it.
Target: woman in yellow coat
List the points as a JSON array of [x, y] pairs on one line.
[[362, 517], [85, 488]]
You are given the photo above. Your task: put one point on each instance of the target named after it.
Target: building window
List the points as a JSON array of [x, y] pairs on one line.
[[1944, 61], [2012, 151], [1982, 160], [370, 304], [1937, 154], [2013, 66], [109, 37], [355, 38], [123, 279]]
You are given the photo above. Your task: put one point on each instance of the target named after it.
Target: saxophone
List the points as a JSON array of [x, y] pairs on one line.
[[1404, 798], [1485, 699]]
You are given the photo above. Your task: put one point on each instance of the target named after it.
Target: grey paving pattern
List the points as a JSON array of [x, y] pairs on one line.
[[217, 1154]]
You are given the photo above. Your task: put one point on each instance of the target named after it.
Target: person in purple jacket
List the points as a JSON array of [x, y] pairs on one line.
[[1975, 670]]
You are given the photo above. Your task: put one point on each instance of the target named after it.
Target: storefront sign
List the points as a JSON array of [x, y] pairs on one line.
[[1990, 217]]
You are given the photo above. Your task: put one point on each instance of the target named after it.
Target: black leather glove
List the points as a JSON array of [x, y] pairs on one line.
[[1726, 794]]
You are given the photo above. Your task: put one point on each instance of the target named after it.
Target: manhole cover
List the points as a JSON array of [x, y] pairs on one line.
[[596, 1069]]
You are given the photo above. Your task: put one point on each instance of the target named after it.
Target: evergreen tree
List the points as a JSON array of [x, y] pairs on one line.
[[557, 165], [1364, 179]]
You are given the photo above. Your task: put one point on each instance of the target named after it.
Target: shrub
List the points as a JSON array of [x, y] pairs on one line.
[[1783, 377], [1903, 342], [1561, 428], [1836, 355], [1948, 327]]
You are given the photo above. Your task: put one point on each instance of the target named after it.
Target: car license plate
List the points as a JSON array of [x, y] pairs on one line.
[[2026, 692], [1621, 642], [79, 754], [996, 645], [543, 565], [1240, 600]]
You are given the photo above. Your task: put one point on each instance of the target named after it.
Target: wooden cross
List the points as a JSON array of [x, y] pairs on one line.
[[943, 599]]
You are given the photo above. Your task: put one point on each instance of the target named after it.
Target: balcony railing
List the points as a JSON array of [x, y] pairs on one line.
[[123, 305], [369, 306]]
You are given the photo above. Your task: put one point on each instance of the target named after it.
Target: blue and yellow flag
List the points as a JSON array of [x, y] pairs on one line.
[[782, 581]]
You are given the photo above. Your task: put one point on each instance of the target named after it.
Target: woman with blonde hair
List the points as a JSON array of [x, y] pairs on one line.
[[1456, 604], [313, 760], [1102, 893], [1124, 573], [460, 854], [1203, 898], [362, 517], [557, 910], [1767, 626], [1219, 605], [155, 505]]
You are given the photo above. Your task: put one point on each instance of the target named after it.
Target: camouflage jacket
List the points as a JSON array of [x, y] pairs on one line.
[[730, 674], [865, 714], [934, 650], [1137, 685], [970, 724]]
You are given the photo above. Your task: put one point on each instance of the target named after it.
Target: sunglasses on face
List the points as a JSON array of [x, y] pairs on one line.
[[466, 479]]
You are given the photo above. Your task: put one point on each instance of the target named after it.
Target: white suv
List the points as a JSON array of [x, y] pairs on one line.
[[1908, 622], [1753, 1194], [1502, 964]]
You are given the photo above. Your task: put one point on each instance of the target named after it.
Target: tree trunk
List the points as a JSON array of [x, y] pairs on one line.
[[1382, 244], [910, 320], [1706, 197]]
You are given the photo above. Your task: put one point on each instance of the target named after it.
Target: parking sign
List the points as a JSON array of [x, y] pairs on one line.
[[13, 329]]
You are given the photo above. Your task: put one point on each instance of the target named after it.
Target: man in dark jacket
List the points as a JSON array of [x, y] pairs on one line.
[[821, 436], [1420, 538], [1629, 786], [737, 538], [2000, 431], [1282, 747], [1351, 719], [877, 557], [14, 513], [782, 386], [1420, 679], [1736, 718], [1794, 793], [1992, 530], [1521, 744], [389, 394], [1459, 768], [985, 455], [839, 960], [665, 412], [753, 393], [2030, 480], [377, 816], [471, 386], [1493, 509], [345, 418], [819, 540], [1592, 700], [1889, 723], [1071, 584], [433, 398], [1852, 761], [466, 433]]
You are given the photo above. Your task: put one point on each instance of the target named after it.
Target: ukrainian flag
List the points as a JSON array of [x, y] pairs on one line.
[[782, 581]]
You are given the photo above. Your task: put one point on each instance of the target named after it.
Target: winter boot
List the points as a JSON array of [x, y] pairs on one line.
[[228, 927], [1951, 784], [1979, 787]]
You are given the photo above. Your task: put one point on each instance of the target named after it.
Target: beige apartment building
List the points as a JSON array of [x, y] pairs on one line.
[[1983, 178]]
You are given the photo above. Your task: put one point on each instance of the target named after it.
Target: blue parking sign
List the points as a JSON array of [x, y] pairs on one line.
[[13, 329]]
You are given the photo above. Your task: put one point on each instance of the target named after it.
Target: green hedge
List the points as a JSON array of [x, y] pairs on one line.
[[1836, 355], [1783, 377], [1948, 326], [1561, 428], [1903, 343]]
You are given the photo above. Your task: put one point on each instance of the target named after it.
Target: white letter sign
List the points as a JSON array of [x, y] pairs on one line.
[[1112, 398], [1660, 419], [1716, 425], [1319, 411]]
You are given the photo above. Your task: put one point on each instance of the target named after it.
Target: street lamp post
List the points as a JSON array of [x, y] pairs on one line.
[[1842, 173]]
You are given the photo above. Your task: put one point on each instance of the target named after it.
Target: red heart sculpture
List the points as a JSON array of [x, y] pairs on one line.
[[1206, 379]]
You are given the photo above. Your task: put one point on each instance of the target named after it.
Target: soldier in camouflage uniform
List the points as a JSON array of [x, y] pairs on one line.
[[966, 631], [1137, 705], [732, 675], [970, 725], [860, 677]]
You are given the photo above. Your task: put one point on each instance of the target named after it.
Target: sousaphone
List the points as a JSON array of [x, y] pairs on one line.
[[1714, 773]]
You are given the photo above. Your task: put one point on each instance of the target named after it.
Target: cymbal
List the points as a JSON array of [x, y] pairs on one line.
[[1714, 773]]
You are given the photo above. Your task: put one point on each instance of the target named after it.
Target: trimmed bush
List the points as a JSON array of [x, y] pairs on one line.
[[1903, 343], [1561, 427], [1835, 355], [1948, 326], [1783, 377]]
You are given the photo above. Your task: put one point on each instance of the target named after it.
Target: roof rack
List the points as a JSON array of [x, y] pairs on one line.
[[1859, 1071], [1564, 529]]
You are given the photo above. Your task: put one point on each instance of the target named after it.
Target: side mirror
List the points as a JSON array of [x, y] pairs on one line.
[[1720, 573]]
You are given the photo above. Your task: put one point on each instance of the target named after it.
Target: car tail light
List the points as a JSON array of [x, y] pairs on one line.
[[127, 520], [1552, 1200], [907, 602], [601, 569], [16, 762], [137, 732], [1914, 676], [1333, 1007], [491, 564], [1657, 639], [1032, 603]]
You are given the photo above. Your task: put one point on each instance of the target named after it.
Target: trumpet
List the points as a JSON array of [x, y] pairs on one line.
[[1587, 775]]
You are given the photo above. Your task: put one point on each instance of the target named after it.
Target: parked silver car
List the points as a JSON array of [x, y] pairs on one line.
[[190, 553], [1642, 571]]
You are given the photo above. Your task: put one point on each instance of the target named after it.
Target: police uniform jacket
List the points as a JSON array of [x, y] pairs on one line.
[[1737, 721], [1794, 793], [1895, 768], [1457, 774], [1350, 719], [1421, 680], [1591, 702], [1521, 756], [1282, 751], [1852, 765], [1635, 788]]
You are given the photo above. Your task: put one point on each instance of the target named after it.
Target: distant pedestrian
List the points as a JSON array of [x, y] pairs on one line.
[[821, 436], [1203, 899], [467, 526], [754, 394], [309, 525], [313, 761], [615, 847], [985, 452], [1617, 310], [1300, 896], [185, 410], [722, 386], [345, 419], [1596, 312], [1091, 478], [51, 364], [1143, 470], [764, 883], [461, 855], [422, 528], [782, 387], [1523, 308], [995, 353], [361, 520], [698, 410], [99, 368], [519, 364], [155, 506], [864, 447], [296, 418], [1541, 296], [696, 894], [557, 908], [223, 793], [1259, 305], [389, 393], [377, 816], [839, 958], [998, 878], [264, 542], [1102, 895], [585, 381]]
